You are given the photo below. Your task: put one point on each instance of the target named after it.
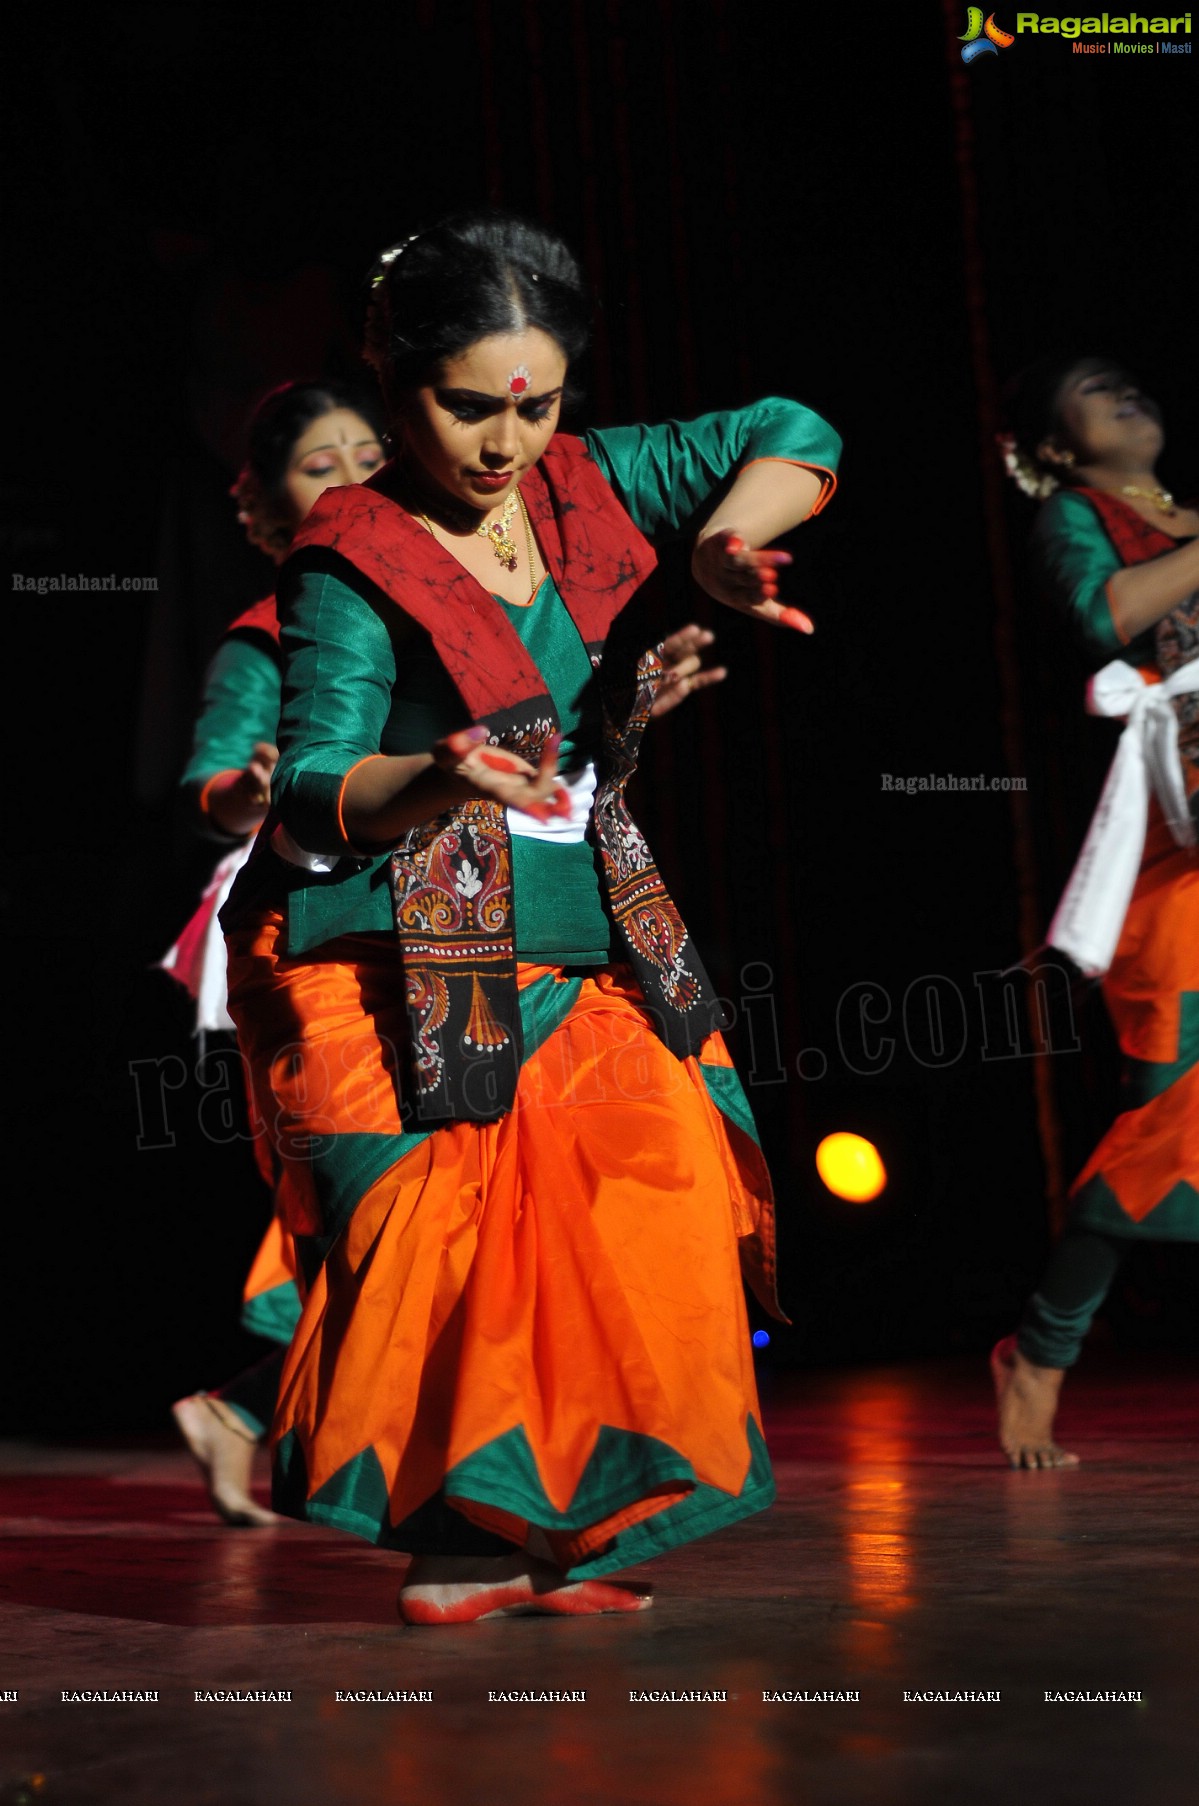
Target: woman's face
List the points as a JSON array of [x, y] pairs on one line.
[[337, 449], [488, 416], [1104, 418]]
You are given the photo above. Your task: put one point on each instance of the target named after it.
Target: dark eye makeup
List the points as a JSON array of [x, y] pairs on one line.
[[469, 407]]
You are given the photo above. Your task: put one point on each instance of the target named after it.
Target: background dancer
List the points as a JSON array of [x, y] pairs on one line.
[[1120, 556], [304, 438]]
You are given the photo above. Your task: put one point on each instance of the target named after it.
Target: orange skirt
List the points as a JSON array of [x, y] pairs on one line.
[[536, 1326], [270, 1304], [270, 1299], [1143, 1178]]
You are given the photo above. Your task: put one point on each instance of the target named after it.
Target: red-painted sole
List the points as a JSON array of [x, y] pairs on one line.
[[518, 1599]]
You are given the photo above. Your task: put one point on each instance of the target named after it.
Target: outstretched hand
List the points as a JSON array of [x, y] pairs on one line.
[[255, 780], [745, 578], [493, 771], [236, 802], [682, 654]]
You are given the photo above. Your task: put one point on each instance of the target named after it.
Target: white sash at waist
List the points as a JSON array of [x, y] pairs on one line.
[[197, 958], [1088, 920], [563, 829]]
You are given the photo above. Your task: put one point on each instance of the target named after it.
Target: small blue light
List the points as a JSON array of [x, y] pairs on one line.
[[761, 1338]]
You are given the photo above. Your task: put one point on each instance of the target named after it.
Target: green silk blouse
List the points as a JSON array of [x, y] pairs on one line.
[[360, 681], [1076, 560]]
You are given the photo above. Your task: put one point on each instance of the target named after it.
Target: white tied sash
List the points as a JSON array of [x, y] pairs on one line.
[[198, 957], [1095, 902]]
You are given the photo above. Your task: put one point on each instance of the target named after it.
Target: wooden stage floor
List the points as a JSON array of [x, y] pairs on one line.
[[902, 1559]]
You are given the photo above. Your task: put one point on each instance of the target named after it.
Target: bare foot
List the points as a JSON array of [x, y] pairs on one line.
[[1027, 1399], [224, 1448], [444, 1589]]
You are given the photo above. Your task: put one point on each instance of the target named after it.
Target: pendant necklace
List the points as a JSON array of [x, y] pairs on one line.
[[499, 532], [524, 515]]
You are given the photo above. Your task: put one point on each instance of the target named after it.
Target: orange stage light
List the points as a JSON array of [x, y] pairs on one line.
[[851, 1167]]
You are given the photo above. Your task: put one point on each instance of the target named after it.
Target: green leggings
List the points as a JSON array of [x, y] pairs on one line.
[[1078, 1277]]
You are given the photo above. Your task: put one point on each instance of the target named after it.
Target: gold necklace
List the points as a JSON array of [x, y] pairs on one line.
[[1161, 498], [532, 551], [503, 544], [524, 515], [499, 532]]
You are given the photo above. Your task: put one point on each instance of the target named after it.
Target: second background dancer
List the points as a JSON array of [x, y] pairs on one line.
[[1118, 556]]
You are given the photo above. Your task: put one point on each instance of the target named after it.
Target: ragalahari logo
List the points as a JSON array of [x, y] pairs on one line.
[[982, 38]]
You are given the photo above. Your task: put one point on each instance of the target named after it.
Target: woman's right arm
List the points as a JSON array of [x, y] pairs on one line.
[[228, 773], [337, 792], [1143, 594], [1108, 603]]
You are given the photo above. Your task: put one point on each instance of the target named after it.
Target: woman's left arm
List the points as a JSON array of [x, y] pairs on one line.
[[732, 561], [735, 481]]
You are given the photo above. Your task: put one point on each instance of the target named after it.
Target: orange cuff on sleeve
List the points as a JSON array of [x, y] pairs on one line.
[[1118, 630], [341, 795], [828, 486], [204, 800]]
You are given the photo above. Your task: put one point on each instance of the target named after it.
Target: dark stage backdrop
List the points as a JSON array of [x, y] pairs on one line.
[[768, 199]]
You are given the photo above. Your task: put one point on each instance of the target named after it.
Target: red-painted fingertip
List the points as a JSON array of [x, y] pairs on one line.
[[496, 761], [795, 617], [733, 543], [465, 740]]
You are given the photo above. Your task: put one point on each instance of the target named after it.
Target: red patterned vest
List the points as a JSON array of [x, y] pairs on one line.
[[458, 949], [260, 620]]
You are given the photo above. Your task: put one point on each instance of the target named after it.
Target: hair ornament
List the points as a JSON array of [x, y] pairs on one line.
[[387, 258], [377, 325], [1028, 476]]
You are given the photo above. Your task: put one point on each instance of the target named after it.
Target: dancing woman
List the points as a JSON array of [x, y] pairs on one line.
[[1120, 555], [518, 1161], [304, 438]]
